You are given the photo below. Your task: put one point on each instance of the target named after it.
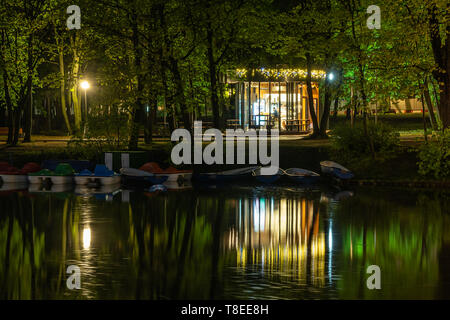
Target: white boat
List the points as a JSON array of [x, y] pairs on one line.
[[13, 178], [227, 175], [336, 170]]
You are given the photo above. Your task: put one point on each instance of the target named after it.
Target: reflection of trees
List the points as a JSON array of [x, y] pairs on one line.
[[21, 249], [174, 243], [402, 237]]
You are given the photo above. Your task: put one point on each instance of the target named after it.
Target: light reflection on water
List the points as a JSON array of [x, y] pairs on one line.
[[248, 243]]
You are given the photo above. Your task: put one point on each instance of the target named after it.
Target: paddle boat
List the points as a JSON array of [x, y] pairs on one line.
[[302, 176], [101, 176], [336, 170], [63, 174], [227, 175], [267, 178], [172, 173], [136, 177], [10, 174]]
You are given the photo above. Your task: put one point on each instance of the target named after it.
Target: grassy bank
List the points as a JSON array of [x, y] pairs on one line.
[[293, 153]]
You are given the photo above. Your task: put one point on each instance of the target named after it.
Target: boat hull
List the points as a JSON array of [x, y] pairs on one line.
[[104, 181], [13, 178], [52, 179], [338, 173]]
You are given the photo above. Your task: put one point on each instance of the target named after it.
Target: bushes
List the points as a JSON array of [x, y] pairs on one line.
[[352, 145], [434, 156]]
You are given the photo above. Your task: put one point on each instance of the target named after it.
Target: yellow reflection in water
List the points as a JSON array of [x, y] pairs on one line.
[[86, 238], [281, 236]]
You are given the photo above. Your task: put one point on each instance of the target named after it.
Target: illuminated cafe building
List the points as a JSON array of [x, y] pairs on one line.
[[266, 98]]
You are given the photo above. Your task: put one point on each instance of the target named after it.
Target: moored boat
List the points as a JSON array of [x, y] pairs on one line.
[[336, 170], [136, 177], [267, 178], [10, 174], [227, 175], [172, 174], [302, 176], [101, 176], [63, 174]]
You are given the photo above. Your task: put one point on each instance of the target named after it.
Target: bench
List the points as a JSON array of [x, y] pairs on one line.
[[299, 125]]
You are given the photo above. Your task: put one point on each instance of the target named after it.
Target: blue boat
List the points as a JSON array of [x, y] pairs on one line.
[[302, 176], [336, 170], [140, 178], [101, 176], [267, 178]]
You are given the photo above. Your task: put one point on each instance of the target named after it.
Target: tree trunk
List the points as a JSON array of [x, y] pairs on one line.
[[326, 110], [441, 52], [429, 105], [75, 83], [49, 112], [180, 98], [136, 111], [28, 110], [150, 118], [312, 112], [9, 107], [336, 106], [62, 88], [212, 77]]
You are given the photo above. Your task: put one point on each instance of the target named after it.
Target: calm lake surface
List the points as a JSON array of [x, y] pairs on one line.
[[225, 242]]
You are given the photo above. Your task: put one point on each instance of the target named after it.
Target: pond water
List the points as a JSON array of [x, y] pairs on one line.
[[239, 242]]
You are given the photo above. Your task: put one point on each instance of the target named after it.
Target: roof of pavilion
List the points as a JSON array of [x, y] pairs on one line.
[[259, 65]]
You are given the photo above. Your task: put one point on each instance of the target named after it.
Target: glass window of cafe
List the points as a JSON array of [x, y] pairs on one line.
[[278, 105]]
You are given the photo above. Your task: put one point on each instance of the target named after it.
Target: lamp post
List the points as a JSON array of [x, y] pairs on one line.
[[85, 85]]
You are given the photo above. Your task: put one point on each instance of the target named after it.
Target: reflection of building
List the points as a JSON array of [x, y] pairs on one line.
[[274, 98], [281, 235]]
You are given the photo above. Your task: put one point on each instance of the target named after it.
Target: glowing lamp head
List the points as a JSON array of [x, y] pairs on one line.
[[331, 76], [85, 85]]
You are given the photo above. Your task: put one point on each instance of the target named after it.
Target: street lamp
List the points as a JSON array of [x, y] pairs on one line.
[[85, 85]]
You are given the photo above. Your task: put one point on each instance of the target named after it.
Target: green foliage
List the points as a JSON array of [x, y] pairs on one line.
[[434, 156], [351, 145]]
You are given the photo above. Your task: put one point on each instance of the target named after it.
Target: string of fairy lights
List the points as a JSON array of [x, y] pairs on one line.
[[280, 73]]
